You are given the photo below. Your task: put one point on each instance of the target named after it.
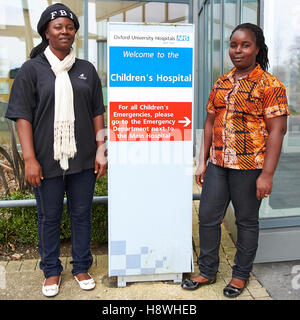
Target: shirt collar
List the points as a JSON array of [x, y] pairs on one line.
[[252, 76]]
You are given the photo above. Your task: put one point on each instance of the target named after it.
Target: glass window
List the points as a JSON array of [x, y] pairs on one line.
[[117, 17], [200, 110], [92, 54], [282, 33], [135, 14], [178, 12], [217, 40], [230, 22], [155, 12], [18, 35], [12, 14], [249, 11], [207, 52]]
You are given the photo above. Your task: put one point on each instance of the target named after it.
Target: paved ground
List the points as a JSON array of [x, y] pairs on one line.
[[282, 279], [22, 280]]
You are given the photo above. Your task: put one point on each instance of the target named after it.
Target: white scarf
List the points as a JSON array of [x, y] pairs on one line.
[[64, 117]]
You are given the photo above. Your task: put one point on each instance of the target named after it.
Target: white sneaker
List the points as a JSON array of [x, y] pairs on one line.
[[51, 290], [88, 284]]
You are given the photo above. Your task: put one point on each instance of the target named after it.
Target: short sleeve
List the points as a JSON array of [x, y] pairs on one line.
[[22, 100], [210, 107], [275, 102], [97, 99]]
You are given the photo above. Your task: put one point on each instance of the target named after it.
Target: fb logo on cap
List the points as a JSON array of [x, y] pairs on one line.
[[62, 13]]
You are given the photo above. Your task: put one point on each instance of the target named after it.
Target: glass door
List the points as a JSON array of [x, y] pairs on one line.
[[282, 33]]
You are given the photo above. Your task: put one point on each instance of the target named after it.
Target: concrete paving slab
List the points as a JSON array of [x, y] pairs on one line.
[[281, 279], [24, 282]]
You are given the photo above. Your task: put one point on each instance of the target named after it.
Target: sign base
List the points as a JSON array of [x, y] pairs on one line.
[[176, 277]]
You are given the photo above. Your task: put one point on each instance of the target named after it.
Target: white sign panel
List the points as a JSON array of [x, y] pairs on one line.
[[150, 149]]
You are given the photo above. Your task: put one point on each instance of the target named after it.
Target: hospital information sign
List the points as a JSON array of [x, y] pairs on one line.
[[150, 110]]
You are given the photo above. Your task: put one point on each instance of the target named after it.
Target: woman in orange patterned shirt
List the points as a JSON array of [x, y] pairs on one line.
[[246, 121]]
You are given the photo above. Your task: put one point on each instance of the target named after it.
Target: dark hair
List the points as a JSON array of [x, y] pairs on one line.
[[262, 56], [39, 48]]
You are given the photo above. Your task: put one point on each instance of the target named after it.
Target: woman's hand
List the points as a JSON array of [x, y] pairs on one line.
[[264, 185], [100, 162], [276, 128], [205, 148], [33, 172], [200, 173]]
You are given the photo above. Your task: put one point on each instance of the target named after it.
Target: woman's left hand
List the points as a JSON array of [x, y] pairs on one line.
[[264, 185], [276, 129], [100, 162]]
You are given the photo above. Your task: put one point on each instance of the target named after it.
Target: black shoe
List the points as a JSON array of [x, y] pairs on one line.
[[189, 284], [233, 292]]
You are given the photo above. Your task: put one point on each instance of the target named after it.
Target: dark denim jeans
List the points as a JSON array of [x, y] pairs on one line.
[[79, 189], [222, 185]]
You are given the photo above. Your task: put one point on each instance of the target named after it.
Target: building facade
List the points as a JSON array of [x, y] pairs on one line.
[[214, 20], [280, 213]]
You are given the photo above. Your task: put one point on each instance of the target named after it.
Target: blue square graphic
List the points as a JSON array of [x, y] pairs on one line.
[[144, 250], [118, 272], [133, 261], [159, 264], [117, 247]]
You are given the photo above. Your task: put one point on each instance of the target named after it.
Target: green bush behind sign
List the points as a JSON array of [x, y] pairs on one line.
[[19, 225]]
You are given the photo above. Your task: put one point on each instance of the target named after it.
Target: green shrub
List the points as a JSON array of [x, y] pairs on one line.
[[20, 224]]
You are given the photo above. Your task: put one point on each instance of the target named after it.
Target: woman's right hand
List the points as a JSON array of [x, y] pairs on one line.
[[33, 172], [200, 173]]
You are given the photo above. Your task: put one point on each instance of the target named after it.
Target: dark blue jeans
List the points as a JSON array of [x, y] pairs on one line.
[[79, 189], [222, 185]]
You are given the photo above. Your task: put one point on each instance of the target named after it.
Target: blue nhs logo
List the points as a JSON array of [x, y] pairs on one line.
[[181, 37]]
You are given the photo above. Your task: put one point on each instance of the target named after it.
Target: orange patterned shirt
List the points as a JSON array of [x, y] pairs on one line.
[[240, 131]]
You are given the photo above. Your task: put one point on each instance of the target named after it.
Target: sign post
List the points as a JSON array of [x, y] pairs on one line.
[[150, 151]]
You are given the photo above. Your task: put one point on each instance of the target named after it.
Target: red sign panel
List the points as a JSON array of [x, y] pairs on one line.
[[150, 121]]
